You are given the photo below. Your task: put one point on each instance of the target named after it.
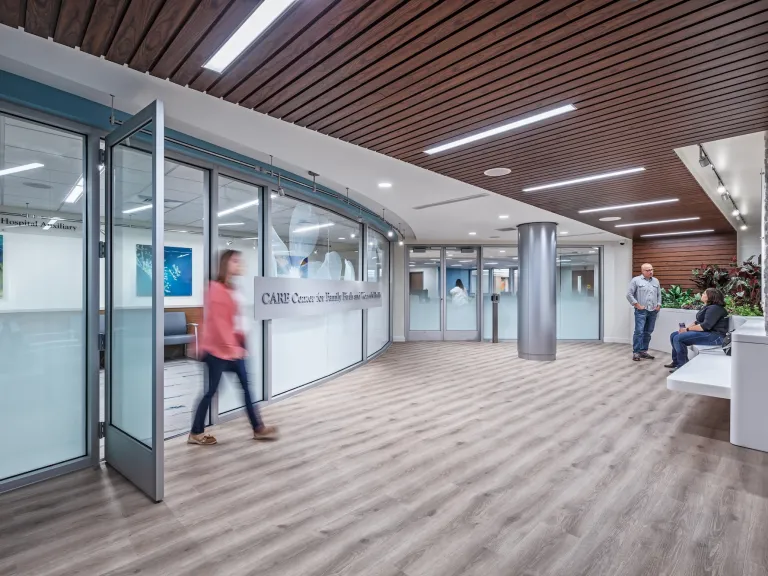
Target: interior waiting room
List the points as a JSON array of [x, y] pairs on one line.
[[383, 288]]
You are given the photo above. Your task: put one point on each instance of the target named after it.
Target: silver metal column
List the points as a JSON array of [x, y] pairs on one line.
[[536, 305]]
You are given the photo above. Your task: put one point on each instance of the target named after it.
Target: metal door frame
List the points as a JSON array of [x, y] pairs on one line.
[[140, 465], [443, 334]]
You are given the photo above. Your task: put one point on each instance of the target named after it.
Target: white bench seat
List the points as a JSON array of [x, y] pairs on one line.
[[707, 374]]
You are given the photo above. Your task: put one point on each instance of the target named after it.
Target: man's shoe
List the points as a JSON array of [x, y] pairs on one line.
[[636, 357], [670, 365], [647, 356], [674, 369]]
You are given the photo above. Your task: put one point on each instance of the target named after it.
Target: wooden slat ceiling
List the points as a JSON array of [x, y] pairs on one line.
[[399, 76]]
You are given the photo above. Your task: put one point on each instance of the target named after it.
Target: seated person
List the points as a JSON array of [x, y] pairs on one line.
[[710, 328]]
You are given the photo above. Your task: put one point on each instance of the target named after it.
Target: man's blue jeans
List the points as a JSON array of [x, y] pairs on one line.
[[680, 343], [645, 320]]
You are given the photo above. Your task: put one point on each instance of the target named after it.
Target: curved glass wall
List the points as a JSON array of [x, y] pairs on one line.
[[310, 242], [377, 257], [238, 215]]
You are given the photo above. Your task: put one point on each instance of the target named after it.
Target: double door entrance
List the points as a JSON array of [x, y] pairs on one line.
[[443, 288]]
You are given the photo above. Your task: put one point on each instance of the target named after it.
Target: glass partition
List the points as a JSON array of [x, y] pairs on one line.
[[377, 255], [239, 213], [424, 272], [500, 276], [461, 288], [310, 242], [578, 296], [42, 320]]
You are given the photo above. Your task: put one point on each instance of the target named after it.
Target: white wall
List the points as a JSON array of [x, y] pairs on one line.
[[617, 313], [749, 243]]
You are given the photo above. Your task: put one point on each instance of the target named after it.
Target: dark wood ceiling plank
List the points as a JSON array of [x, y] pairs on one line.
[[136, 22], [281, 71], [588, 128], [13, 12], [613, 148], [567, 40], [467, 22], [163, 30], [74, 16], [41, 17], [191, 34], [634, 84], [556, 84], [553, 86], [673, 92], [294, 34], [103, 25], [233, 17], [307, 79]]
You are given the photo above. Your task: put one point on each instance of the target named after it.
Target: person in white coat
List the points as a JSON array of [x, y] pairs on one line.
[[458, 294]]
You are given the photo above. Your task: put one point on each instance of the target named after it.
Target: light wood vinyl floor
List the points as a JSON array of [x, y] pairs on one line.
[[437, 459]]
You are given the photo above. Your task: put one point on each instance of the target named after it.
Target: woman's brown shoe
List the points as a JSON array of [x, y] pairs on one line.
[[265, 433], [201, 439]]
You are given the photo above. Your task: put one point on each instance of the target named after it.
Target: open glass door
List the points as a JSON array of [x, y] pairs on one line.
[[134, 301]]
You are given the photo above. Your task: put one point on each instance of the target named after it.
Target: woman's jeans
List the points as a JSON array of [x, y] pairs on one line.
[[216, 367], [680, 343]]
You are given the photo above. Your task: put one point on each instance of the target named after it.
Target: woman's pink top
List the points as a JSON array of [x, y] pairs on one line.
[[219, 337]]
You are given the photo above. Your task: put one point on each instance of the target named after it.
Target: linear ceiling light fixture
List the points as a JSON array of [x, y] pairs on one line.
[[261, 18], [623, 206], [238, 207], [585, 179], [51, 222], [658, 222], [23, 168], [231, 224], [77, 190], [313, 227], [501, 129], [678, 233], [137, 209]]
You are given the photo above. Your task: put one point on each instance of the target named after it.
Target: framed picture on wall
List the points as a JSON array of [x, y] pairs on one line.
[[177, 275]]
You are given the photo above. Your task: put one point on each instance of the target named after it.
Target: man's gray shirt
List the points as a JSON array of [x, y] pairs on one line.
[[646, 292]]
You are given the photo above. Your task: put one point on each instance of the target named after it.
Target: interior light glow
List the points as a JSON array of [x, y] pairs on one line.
[[267, 12], [503, 216], [314, 227], [137, 209], [503, 128], [473, 233], [584, 179], [231, 224], [735, 212], [623, 206], [721, 189], [678, 233], [650, 222], [744, 226], [77, 190], [238, 207], [50, 223], [23, 168], [564, 232], [385, 184]]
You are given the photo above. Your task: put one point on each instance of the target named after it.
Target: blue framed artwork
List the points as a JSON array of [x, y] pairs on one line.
[[177, 280]]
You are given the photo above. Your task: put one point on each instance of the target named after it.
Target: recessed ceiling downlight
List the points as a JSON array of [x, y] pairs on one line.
[[497, 172], [610, 218]]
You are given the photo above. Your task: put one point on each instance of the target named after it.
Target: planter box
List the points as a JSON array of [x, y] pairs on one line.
[[668, 321]]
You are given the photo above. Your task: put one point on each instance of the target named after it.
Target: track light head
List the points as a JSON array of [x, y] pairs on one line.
[[721, 188], [703, 160]]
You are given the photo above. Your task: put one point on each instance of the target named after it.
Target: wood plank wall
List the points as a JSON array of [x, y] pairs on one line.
[[674, 258]]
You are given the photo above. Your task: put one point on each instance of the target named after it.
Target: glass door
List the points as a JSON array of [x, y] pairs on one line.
[[443, 289], [135, 207]]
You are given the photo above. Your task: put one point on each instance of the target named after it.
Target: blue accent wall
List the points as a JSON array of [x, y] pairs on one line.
[[47, 99]]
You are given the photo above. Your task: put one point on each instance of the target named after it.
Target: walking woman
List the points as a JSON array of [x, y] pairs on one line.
[[223, 350]]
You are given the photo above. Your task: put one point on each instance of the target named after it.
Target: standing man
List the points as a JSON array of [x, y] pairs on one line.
[[644, 293]]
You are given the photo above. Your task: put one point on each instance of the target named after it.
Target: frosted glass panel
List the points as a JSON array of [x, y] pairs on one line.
[[310, 348], [132, 249], [500, 276], [378, 271], [578, 298], [424, 289], [42, 340], [239, 212], [461, 289]]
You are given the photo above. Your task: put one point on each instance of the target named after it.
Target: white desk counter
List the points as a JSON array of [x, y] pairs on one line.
[[749, 386]]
